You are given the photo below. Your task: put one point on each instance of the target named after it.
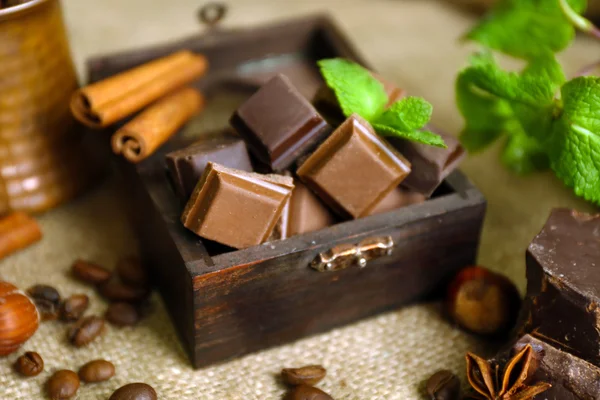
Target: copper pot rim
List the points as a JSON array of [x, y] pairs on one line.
[[21, 9]]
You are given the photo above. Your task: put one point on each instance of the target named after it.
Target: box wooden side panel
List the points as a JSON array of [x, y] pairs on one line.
[[256, 305], [159, 253]]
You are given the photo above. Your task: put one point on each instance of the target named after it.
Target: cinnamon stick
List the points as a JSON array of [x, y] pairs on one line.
[[145, 133], [17, 231], [106, 102]]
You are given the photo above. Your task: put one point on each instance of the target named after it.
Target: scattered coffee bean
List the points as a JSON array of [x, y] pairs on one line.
[[29, 364], [89, 272], [46, 299], [305, 392], [73, 308], [63, 385], [122, 314], [132, 272], [97, 371], [85, 330], [443, 385], [309, 375], [118, 291], [134, 391]]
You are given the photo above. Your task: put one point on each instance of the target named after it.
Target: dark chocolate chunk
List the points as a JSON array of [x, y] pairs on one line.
[[431, 165], [563, 284], [397, 198], [278, 124], [236, 208], [571, 377], [327, 104], [187, 165], [354, 169]]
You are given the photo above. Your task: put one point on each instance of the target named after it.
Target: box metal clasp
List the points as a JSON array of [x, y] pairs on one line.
[[344, 255]]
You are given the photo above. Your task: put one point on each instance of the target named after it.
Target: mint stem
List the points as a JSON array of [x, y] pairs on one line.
[[579, 21]]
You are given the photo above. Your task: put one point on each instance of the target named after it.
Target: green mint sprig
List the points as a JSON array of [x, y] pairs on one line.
[[526, 28], [544, 120], [357, 91]]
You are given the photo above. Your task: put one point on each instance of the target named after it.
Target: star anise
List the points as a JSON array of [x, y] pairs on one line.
[[514, 383]]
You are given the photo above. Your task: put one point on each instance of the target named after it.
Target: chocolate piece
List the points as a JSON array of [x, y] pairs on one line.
[[397, 198], [571, 378], [307, 213], [278, 124], [302, 213], [236, 208], [281, 230], [326, 103], [354, 169], [431, 165], [187, 165], [563, 284]]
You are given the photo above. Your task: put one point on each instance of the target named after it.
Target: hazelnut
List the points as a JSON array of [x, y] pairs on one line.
[[19, 318], [483, 302]]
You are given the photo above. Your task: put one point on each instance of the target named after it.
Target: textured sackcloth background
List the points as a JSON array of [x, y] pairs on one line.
[[386, 357]]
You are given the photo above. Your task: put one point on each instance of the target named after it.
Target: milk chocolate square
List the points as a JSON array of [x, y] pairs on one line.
[[278, 124], [431, 165], [187, 165], [236, 208], [354, 169], [306, 212]]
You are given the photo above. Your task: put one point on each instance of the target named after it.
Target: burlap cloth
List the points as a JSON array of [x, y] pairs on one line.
[[386, 357]]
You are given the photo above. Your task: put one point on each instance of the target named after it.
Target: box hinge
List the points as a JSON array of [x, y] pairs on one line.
[[345, 255]]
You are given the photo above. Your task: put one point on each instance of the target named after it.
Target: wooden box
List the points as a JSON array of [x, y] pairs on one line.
[[228, 304]]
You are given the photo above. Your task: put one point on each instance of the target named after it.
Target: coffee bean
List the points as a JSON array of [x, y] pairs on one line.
[[63, 385], [73, 308], [443, 385], [309, 375], [97, 371], [89, 272], [132, 272], [305, 392], [85, 330], [134, 391], [118, 291], [46, 299], [122, 314], [29, 364]]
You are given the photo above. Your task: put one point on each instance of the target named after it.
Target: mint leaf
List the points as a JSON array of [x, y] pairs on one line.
[[425, 137], [574, 148], [486, 116], [528, 87], [407, 114], [527, 28], [404, 118], [523, 154], [356, 90], [496, 102]]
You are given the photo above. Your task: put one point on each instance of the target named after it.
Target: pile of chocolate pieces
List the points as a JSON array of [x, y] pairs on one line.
[[562, 307], [314, 171]]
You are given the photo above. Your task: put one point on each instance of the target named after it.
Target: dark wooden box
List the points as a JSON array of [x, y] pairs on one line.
[[233, 303]]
